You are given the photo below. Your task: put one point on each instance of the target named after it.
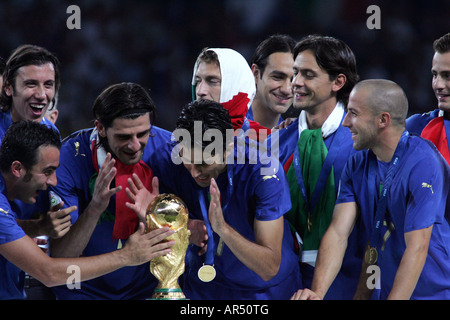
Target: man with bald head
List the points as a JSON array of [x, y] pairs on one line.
[[394, 190]]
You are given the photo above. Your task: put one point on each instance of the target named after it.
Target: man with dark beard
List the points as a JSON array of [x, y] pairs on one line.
[[95, 166]]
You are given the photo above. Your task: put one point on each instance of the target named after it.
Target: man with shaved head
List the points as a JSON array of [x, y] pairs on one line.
[[394, 190]]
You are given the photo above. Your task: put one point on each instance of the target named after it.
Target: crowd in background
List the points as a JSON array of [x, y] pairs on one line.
[[155, 43]]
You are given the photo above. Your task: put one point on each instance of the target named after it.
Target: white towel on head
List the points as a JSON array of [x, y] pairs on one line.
[[236, 75]]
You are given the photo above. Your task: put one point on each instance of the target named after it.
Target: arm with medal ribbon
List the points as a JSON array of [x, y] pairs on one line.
[[267, 244], [207, 272], [375, 245]]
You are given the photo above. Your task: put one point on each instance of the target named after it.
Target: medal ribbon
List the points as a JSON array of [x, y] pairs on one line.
[[209, 258], [382, 203], [324, 173]]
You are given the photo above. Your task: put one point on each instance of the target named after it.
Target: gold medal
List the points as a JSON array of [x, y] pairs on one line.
[[206, 273], [371, 255]]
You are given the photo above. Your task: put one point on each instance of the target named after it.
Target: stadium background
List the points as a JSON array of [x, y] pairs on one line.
[[155, 43]]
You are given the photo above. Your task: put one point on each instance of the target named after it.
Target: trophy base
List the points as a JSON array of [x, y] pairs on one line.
[[168, 294]]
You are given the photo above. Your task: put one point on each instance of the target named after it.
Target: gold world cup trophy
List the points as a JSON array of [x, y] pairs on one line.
[[168, 210]]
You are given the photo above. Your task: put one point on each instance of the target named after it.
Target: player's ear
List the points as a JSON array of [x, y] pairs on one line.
[[339, 82], [384, 119], [17, 169], [100, 128]]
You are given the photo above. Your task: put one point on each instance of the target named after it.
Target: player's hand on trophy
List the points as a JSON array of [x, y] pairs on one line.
[[142, 247]]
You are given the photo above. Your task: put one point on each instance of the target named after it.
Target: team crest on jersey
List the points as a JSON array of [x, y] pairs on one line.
[[270, 177], [77, 149], [426, 185]]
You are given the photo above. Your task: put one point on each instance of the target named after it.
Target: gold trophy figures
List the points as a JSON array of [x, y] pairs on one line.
[[168, 210]]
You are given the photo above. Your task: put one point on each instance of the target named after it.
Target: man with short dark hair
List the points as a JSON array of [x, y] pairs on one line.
[[31, 83], [434, 125], [272, 69], [29, 156], [95, 166], [249, 251], [315, 147]]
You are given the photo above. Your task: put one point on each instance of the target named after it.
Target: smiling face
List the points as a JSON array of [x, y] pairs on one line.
[[312, 86], [32, 93], [441, 79], [361, 121], [127, 138], [41, 175], [274, 86]]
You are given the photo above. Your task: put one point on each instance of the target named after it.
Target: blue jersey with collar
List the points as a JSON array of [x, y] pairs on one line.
[[346, 281], [6, 121], [287, 142], [249, 116], [417, 122], [11, 277], [417, 199], [254, 196], [75, 186]]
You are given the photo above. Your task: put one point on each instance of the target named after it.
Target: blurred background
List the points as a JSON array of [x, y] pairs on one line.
[[155, 43]]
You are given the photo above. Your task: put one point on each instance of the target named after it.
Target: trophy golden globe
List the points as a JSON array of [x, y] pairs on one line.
[[168, 210]]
